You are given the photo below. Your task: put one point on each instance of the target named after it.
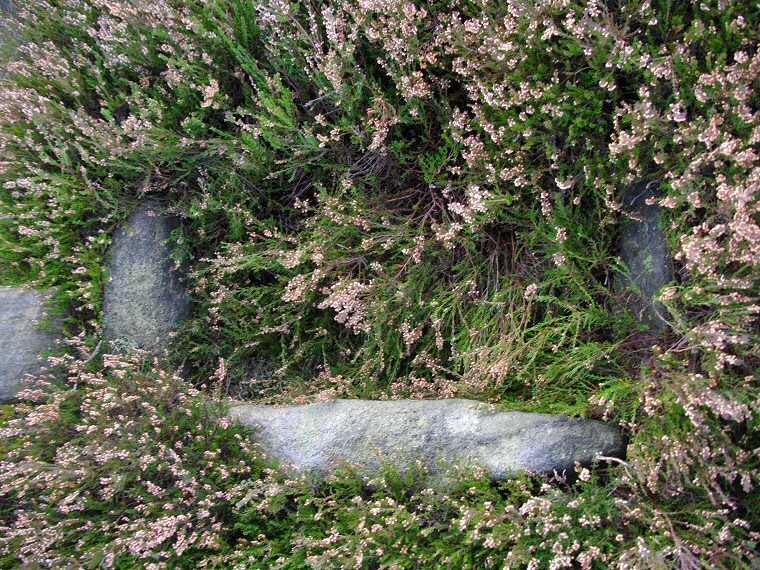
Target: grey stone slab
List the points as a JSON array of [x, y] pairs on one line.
[[145, 299], [319, 437], [7, 9], [644, 251], [22, 341]]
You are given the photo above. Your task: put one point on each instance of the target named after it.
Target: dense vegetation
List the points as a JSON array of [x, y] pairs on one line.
[[385, 199]]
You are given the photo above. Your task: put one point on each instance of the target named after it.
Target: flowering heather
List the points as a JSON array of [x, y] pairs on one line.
[[406, 198]]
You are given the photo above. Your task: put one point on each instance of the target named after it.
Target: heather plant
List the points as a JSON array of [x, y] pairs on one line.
[[410, 252], [126, 470], [384, 200]]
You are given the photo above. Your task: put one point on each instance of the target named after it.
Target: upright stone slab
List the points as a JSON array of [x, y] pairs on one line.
[[145, 297], [319, 437], [644, 251], [22, 341], [6, 9]]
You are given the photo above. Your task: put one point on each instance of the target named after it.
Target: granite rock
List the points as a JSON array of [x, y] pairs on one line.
[[145, 298], [644, 251], [321, 436], [22, 341]]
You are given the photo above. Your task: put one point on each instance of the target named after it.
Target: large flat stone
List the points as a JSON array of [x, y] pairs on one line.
[[145, 298], [644, 251], [319, 437], [22, 341]]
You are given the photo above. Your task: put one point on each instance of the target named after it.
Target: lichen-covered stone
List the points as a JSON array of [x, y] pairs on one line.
[[644, 251], [145, 297], [319, 437], [22, 341]]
